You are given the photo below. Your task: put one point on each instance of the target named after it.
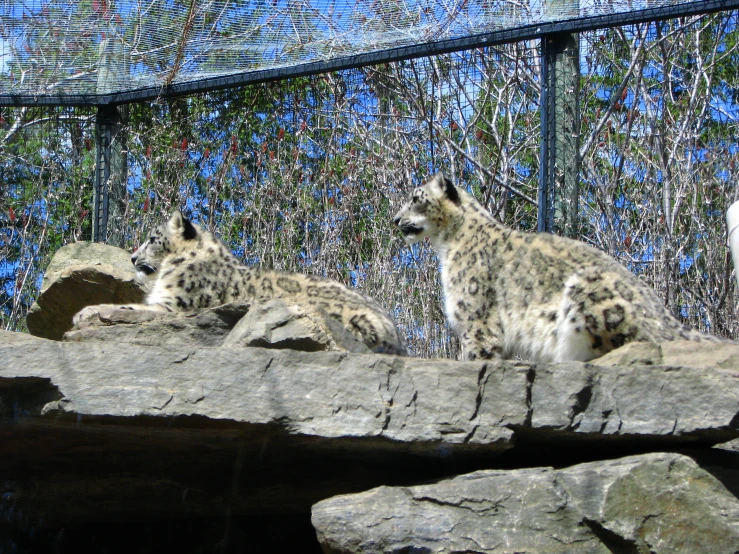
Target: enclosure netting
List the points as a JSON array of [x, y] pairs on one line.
[[73, 51], [306, 174]]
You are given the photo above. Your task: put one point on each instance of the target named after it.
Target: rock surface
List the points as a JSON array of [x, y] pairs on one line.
[[275, 324], [649, 396], [634, 401], [122, 431], [81, 274], [243, 416], [427, 407], [272, 324], [280, 429], [657, 503], [110, 325], [675, 353]]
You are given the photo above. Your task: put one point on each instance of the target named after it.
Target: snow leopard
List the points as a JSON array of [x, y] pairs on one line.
[[190, 269], [537, 296]]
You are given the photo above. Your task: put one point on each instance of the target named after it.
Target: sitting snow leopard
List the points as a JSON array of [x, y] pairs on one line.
[[539, 296], [191, 270]]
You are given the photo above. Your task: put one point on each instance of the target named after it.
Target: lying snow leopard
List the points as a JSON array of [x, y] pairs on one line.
[[539, 296], [191, 270]]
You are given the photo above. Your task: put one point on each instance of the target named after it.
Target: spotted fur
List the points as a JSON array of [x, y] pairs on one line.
[[191, 270], [538, 296]]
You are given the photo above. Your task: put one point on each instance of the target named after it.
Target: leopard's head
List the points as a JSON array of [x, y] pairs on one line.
[[163, 240], [427, 210]]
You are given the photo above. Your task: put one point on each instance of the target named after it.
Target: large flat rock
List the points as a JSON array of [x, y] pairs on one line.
[[409, 404], [656, 503], [97, 430]]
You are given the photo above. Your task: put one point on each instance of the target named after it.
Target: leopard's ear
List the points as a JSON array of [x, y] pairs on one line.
[[182, 226], [448, 188]]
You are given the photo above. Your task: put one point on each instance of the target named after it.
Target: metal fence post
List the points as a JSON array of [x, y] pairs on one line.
[[102, 174], [110, 176], [111, 166], [560, 120]]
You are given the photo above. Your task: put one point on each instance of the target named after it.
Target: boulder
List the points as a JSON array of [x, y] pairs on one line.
[[276, 324], [270, 324], [657, 503], [81, 274]]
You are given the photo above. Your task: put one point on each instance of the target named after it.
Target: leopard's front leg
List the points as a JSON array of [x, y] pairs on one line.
[[104, 311]]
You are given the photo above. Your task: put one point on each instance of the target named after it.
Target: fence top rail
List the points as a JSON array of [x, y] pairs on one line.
[[98, 52]]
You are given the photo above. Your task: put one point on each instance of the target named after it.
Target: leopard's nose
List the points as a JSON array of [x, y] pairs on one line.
[[396, 220], [133, 259]]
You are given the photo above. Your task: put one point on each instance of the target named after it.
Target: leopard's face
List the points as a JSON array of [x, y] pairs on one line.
[[177, 234], [149, 256], [423, 214]]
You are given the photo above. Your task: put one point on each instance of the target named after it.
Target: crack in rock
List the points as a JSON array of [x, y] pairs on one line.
[[614, 542], [266, 368], [183, 359], [171, 397], [481, 382], [471, 504], [582, 400], [530, 378], [199, 399], [471, 434]]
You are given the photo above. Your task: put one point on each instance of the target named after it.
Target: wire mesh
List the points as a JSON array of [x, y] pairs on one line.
[[60, 49], [45, 167], [306, 174], [659, 156]]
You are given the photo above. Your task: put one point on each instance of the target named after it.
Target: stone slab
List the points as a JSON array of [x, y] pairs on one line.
[[657, 503], [252, 430]]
